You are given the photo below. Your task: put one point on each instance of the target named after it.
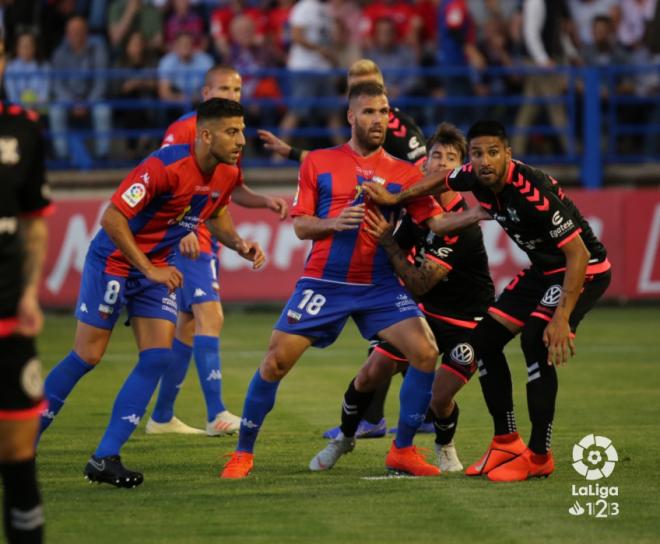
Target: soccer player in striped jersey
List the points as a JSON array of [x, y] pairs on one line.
[[347, 274], [200, 316], [129, 264]]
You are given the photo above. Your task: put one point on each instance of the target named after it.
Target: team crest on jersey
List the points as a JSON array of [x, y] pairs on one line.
[[134, 194]]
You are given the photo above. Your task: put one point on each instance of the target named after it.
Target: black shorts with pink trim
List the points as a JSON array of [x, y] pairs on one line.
[[534, 293], [447, 335], [21, 385]]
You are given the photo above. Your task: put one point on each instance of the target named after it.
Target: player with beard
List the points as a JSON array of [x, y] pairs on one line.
[[347, 274], [569, 272], [449, 277], [403, 140]]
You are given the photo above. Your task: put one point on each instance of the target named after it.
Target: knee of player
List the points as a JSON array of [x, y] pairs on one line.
[[441, 405], [425, 357], [273, 368], [209, 322], [90, 355]]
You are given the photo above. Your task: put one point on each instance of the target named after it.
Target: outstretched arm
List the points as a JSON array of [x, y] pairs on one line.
[[246, 197], [222, 227], [428, 185], [418, 280], [447, 223], [279, 146]]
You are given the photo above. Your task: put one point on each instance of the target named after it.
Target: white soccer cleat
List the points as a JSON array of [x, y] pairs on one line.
[[448, 458], [173, 426], [224, 423], [328, 456]]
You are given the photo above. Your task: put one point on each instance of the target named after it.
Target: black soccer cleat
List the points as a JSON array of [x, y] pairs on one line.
[[109, 470]]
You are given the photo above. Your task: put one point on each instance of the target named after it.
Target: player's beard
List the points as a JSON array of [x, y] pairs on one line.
[[366, 141]]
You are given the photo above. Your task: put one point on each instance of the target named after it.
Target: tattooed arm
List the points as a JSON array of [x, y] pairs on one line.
[[418, 280]]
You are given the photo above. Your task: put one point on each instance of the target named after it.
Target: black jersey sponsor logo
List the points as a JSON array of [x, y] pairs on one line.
[[552, 296], [561, 230], [462, 354], [557, 219]]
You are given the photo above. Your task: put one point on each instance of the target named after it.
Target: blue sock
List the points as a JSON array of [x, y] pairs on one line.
[[259, 400], [133, 398], [171, 382], [414, 399], [207, 359], [59, 383]]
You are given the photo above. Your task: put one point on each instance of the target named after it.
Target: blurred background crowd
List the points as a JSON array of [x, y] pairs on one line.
[[120, 70]]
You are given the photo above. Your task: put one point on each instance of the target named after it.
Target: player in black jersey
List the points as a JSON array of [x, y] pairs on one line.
[[23, 205], [569, 272], [449, 277], [404, 140]]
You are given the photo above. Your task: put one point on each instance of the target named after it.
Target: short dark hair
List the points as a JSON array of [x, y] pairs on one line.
[[487, 128], [449, 135], [602, 19], [365, 88], [218, 108]]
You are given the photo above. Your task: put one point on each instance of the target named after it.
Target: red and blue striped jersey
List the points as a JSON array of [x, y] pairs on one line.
[[164, 198], [184, 131], [329, 181]]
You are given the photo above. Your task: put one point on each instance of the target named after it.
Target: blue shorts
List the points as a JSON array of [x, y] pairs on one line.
[[319, 309], [102, 297], [200, 280]]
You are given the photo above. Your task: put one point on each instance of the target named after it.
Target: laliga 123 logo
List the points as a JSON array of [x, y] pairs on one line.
[[594, 457]]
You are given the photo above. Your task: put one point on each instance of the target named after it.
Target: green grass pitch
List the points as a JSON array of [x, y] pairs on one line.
[[611, 388]]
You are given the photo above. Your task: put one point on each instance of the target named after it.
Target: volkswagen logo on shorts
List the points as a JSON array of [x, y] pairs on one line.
[[463, 354], [552, 296]]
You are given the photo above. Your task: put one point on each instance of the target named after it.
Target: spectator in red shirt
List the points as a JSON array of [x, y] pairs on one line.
[[184, 20], [397, 11], [221, 20]]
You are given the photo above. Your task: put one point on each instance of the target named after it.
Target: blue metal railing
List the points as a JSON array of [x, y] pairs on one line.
[[612, 113]]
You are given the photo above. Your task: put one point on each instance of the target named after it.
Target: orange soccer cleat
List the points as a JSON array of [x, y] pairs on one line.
[[503, 448], [409, 461], [239, 466], [525, 466]]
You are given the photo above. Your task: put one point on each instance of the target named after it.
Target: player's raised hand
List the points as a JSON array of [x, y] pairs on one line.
[[350, 218], [377, 225], [273, 143], [279, 206], [167, 275], [378, 194], [252, 252], [189, 246], [557, 338]]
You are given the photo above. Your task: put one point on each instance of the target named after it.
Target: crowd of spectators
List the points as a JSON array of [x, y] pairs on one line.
[[174, 41]]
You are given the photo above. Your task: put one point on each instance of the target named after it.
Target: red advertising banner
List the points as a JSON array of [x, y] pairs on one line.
[[627, 221]]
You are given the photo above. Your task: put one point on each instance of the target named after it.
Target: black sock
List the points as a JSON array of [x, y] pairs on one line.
[[488, 341], [376, 409], [542, 385], [445, 428], [353, 408], [497, 388], [24, 515]]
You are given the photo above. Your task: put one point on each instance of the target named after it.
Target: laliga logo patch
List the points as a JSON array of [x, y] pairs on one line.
[[552, 296], [594, 457], [134, 194], [557, 219], [463, 354]]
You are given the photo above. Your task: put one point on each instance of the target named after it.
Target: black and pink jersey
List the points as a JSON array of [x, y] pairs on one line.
[[404, 139], [164, 198], [536, 214], [463, 295], [23, 194]]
